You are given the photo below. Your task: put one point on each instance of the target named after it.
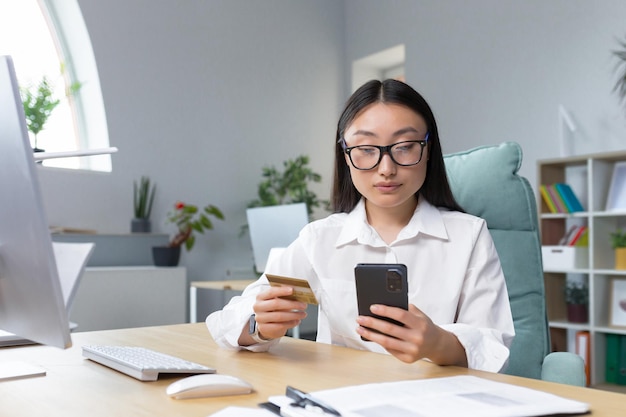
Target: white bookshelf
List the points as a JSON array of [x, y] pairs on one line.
[[590, 178]]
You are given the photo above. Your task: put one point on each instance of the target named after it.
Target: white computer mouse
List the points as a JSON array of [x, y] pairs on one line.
[[208, 385]]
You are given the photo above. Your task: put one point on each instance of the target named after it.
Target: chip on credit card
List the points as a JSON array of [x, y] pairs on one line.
[[301, 289]]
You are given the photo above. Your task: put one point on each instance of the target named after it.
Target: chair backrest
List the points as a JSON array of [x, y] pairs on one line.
[[485, 183]]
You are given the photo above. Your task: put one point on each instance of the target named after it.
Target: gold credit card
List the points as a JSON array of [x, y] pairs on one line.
[[301, 289]]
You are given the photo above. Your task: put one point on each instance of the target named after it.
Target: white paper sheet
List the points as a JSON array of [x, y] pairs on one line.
[[19, 369], [451, 396]]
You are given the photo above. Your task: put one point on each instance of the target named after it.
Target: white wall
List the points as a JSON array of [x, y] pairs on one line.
[[200, 95], [496, 70]]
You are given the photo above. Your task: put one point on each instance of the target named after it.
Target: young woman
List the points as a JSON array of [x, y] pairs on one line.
[[392, 204]]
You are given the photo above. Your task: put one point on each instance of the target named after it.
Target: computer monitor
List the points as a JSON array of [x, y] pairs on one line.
[[274, 227], [31, 298]]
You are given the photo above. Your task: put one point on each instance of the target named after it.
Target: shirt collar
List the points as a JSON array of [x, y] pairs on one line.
[[426, 219]]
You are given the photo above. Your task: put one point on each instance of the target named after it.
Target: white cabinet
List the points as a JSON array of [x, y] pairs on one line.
[[130, 296], [590, 178]]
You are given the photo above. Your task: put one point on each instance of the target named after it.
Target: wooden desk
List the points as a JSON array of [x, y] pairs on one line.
[[75, 386]]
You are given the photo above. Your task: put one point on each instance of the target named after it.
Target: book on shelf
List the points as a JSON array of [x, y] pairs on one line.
[[583, 345], [568, 235], [570, 199], [560, 198], [575, 236], [579, 237], [557, 199], [545, 195]]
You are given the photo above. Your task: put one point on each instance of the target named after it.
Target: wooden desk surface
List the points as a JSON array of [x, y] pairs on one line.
[[75, 386]]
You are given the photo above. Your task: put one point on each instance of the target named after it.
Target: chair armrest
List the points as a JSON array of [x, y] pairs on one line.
[[565, 368]]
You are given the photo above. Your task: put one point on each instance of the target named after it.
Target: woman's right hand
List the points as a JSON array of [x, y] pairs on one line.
[[274, 315]]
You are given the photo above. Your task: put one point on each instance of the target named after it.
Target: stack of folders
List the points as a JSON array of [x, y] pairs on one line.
[[450, 396], [576, 235], [615, 359], [560, 198]]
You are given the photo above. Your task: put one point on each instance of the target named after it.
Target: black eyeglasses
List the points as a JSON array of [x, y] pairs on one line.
[[366, 157]]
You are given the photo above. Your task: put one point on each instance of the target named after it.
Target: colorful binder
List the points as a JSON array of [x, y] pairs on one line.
[[570, 199], [612, 357], [621, 370], [557, 199], [579, 237], [543, 190]]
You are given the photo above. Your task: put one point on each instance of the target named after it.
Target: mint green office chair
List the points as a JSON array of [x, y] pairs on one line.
[[485, 183]]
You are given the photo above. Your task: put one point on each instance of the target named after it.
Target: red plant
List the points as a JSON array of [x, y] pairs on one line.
[[188, 219]]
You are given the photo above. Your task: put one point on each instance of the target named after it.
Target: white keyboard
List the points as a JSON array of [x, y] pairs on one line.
[[141, 363]]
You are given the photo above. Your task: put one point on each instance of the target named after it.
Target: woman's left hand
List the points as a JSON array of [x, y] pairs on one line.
[[419, 337]]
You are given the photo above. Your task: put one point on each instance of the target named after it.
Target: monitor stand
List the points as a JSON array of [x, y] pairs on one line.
[[19, 369], [8, 339]]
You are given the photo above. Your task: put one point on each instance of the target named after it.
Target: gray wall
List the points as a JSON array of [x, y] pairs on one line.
[[496, 70], [201, 94]]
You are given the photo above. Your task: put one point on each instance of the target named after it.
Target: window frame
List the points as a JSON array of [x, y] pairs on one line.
[[70, 35]]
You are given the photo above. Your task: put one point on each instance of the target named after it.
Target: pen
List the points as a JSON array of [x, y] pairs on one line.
[[302, 399]]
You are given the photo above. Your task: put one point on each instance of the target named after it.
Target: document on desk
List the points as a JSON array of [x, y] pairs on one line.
[[449, 396]]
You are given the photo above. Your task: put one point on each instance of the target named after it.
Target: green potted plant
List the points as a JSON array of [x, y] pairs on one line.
[[188, 219], [143, 198], [289, 186], [577, 300], [618, 242], [284, 204], [39, 102]]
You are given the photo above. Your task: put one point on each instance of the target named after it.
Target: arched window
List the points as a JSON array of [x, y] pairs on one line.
[[48, 38]]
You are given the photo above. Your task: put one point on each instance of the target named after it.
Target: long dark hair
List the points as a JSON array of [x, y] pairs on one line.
[[435, 189]]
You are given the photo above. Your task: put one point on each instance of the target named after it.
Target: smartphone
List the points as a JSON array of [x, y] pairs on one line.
[[381, 284]]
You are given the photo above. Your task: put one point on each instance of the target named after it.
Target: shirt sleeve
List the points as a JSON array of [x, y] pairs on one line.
[[227, 324], [484, 324]]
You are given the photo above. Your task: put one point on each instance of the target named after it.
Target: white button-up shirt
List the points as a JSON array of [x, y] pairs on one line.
[[454, 277]]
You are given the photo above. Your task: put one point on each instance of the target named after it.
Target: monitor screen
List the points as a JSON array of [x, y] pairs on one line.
[[274, 227], [31, 298]]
